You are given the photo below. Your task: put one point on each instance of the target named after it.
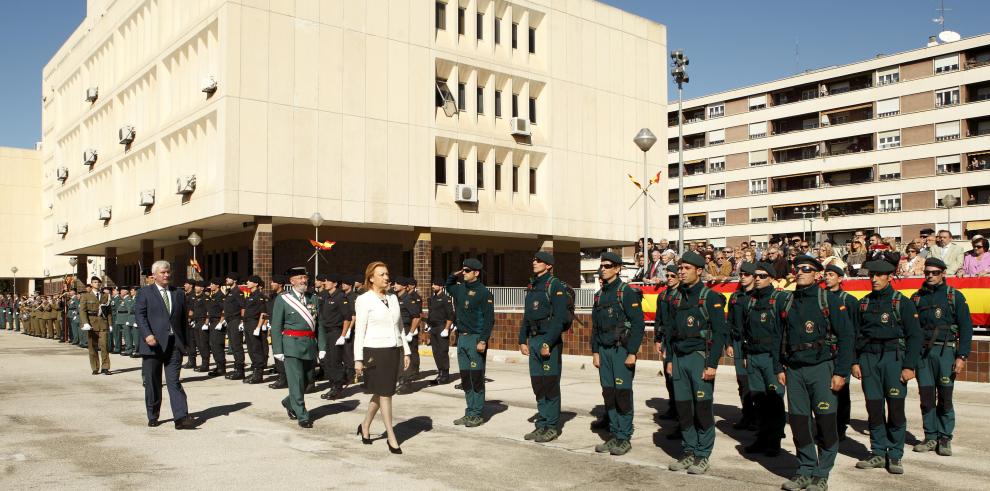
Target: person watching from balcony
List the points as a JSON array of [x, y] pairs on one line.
[[951, 254], [913, 264], [856, 257], [977, 261], [640, 274], [828, 257]]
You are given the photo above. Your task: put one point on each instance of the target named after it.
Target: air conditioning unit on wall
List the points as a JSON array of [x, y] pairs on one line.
[[519, 126], [90, 156], [209, 85], [92, 94], [105, 213], [62, 173], [147, 197], [185, 184], [465, 193], [62, 229], [126, 135]]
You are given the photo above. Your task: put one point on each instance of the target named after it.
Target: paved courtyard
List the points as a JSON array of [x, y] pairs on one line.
[[61, 427]]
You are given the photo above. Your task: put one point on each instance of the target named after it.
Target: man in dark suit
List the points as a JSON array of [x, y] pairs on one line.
[[160, 313]]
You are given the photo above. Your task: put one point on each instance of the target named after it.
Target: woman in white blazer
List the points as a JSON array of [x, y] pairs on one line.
[[378, 346]]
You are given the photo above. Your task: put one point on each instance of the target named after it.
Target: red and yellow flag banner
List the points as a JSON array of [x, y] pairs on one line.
[[976, 291], [323, 246]]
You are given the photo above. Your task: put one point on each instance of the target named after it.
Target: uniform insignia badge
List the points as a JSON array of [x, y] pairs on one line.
[[470, 293], [772, 387], [491, 301], [944, 381], [938, 312], [809, 327], [635, 305], [466, 304], [894, 392], [823, 406], [700, 394], [546, 368], [618, 381], [884, 318], [690, 321], [560, 293], [536, 304], [763, 316], [717, 306], [474, 364], [842, 307]]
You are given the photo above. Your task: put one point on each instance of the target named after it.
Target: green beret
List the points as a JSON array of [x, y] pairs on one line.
[[693, 258], [749, 268], [672, 268], [835, 269], [472, 263], [544, 257], [611, 256], [879, 267], [805, 259], [936, 263], [772, 271]]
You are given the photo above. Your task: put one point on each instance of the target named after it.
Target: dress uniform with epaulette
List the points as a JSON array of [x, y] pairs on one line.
[[738, 312], [544, 318], [617, 332], [815, 349], [660, 321], [475, 311], [340, 355], [296, 338], [133, 334], [888, 347], [695, 337], [72, 310], [214, 300], [94, 313], [948, 331], [277, 286], [120, 312], [199, 335]]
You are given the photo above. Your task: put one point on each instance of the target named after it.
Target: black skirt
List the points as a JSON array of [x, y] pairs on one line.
[[381, 370]]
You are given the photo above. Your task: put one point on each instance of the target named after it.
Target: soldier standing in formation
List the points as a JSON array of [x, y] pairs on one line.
[[888, 345], [116, 322], [410, 310], [334, 309], [72, 311], [297, 341], [191, 289], [233, 305], [200, 329], [438, 322], [813, 361], [94, 315], [660, 322], [544, 318], [948, 333], [277, 286], [761, 327], [214, 300], [475, 310], [738, 312], [833, 282], [696, 336], [254, 330], [617, 332]]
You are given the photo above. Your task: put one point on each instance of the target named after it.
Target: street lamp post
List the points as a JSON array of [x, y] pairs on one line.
[[645, 140], [949, 201], [194, 240], [13, 269], [679, 61], [316, 219]]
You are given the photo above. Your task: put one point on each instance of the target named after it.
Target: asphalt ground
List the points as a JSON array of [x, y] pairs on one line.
[[63, 428]]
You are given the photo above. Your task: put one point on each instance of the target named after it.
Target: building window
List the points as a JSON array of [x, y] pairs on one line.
[[948, 164], [461, 171], [947, 63], [888, 203], [481, 100], [462, 96], [758, 102], [716, 191], [889, 171], [948, 130], [889, 139], [480, 25], [759, 215], [888, 107], [716, 137], [515, 105], [941, 196], [532, 40], [441, 16], [481, 175], [716, 111], [716, 164], [888, 76], [443, 93], [947, 97], [757, 158], [954, 228], [757, 130], [498, 176], [498, 31], [716, 218], [461, 12], [515, 35], [532, 181], [498, 103], [758, 186], [515, 178], [532, 110], [440, 169]]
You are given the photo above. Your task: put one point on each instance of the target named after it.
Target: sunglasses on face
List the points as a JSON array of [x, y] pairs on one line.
[[806, 269], [607, 265], [671, 275], [762, 276], [743, 273], [804, 246], [977, 246], [933, 272]]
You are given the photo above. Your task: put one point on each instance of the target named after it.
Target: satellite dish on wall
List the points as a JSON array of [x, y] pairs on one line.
[[949, 36]]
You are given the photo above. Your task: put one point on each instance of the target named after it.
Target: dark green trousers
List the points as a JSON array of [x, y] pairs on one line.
[[472, 368], [693, 398], [544, 374], [298, 375], [768, 397], [117, 338], [617, 390], [74, 331], [935, 382], [809, 392], [882, 384]]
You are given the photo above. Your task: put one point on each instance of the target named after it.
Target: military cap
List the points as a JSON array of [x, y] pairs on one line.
[[201, 283], [189, 281], [879, 267], [935, 263], [671, 268], [927, 231], [233, 276], [401, 280], [296, 271], [254, 279], [279, 278], [146, 272], [413, 282], [216, 281], [439, 281], [544, 257], [693, 258], [322, 277], [750, 268], [334, 277], [803, 259], [95, 278], [835, 269], [472, 263], [611, 256], [765, 266]]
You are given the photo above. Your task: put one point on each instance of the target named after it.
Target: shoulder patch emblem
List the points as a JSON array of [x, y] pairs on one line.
[[491, 301], [635, 305], [560, 293], [470, 293], [884, 318], [842, 307], [717, 306], [809, 327], [938, 312], [823, 406]]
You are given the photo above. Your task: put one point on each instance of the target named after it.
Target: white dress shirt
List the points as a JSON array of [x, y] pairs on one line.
[[378, 324]]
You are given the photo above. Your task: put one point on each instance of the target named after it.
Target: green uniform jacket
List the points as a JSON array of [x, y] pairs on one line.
[[129, 305], [935, 314], [545, 310], [115, 302], [738, 308], [686, 321], [285, 317], [762, 322], [662, 318], [74, 308], [475, 307], [609, 318], [877, 324], [805, 323]]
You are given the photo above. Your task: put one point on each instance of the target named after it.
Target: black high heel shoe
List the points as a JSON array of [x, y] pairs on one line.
[[366, 441], [394, 450]]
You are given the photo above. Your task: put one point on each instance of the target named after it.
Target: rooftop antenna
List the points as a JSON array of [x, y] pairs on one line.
[[797, 54], [944, 35]]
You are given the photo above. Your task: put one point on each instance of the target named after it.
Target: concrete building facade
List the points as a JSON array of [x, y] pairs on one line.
[[20, 213], [872, 145], [422, 131]]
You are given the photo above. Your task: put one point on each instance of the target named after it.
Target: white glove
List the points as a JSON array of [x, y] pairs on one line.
[[280, 357], [219, 325], [445, 333], [409, 337], [111, 328], [257, 330], [240, 327], [428, 329], [321, 355], [340, 341], [415, 332], [266, 327], [206, 326], [350, 334]]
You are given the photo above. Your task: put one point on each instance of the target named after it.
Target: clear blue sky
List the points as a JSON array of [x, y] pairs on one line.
[[716, 35]]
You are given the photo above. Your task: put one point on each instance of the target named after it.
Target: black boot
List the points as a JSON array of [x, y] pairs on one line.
[[256, 378], [278, 384], [237, 374], [216, 372]]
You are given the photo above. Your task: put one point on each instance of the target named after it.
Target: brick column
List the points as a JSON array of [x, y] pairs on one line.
[[82, 269], [423, 261], [567, 256], [110, 266], [146, 255], [262, 246]]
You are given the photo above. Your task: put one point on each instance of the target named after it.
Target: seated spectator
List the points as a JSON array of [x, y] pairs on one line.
[[976, 262], [641, 272], [912, 264], [856, 257], [827, 256], [779, 262]]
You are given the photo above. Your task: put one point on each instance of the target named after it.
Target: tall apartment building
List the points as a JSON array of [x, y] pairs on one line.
[[20, 212], [422, 131], [876, 145]]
